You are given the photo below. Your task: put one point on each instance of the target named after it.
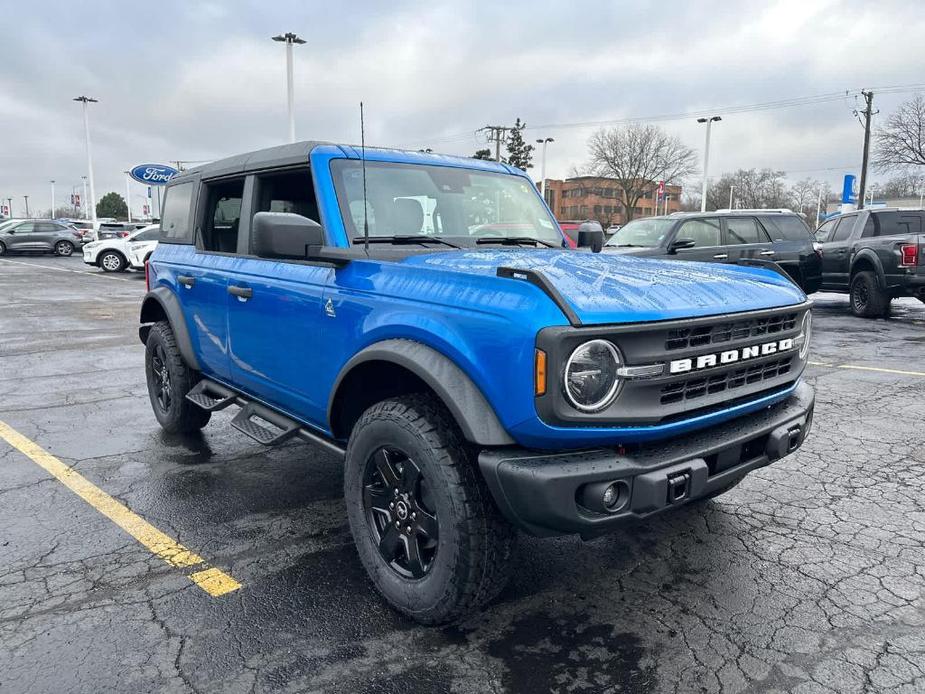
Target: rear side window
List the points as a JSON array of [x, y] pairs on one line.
[[703, 232], [744, 230], [897, 223], [786, 227], [47, 227], [175, 215], [824, 233]]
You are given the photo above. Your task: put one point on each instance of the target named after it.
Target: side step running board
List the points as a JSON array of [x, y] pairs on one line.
[[257, 421]]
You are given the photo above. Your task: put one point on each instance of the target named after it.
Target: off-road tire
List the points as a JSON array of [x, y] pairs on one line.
[[64, 248], [113, 267], [180, 415], [868, 300], [473, 553]]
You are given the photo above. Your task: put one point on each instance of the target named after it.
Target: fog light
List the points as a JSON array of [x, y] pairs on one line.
[[611, 496], [605, 497]]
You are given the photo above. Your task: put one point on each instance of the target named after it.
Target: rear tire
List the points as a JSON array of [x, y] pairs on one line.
[[868, 300], [112, 261], [169, 380], [2, 248], [64, 248], [425, 526]]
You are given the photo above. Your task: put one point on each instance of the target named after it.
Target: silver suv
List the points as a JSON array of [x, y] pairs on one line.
[[43, 236]]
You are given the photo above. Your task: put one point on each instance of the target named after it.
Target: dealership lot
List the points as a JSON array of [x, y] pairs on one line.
[[808, 577]]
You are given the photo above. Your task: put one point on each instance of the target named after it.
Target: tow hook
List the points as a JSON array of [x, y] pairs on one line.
[[794, 434], [679, 487]]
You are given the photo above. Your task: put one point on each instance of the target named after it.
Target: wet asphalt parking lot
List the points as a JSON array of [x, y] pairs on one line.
[[808, 577]]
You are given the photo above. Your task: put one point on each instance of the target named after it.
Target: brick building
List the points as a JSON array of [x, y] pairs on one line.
[[590, 197]]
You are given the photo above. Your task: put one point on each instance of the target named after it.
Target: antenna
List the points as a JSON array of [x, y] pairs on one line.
[[363, 163]]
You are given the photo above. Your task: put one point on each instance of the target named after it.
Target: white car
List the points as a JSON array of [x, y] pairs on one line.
[[116, 255]]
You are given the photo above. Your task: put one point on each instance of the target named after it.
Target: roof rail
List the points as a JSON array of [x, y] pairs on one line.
[[754, 210]]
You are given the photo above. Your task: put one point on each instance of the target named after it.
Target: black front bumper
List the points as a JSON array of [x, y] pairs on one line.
[[554, 493]]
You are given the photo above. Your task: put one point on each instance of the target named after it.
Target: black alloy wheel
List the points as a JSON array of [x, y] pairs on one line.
[[162, 391], [64, 248], [401, 512]]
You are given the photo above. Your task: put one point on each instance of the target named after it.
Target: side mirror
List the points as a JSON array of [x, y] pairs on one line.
[[285, 235], [681, 243], [591, 235]]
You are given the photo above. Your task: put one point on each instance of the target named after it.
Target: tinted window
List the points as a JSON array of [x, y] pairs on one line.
[[844, 228], [149, 235], [898, 223], [744, 230], [642, 232], [48, 227], [703, 232], [26, 228], [222, 216], [825, 231], [175, 214], [786, 227], [870, 227]]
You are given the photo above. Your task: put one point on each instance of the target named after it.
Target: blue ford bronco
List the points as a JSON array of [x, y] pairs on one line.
[[423, 317]]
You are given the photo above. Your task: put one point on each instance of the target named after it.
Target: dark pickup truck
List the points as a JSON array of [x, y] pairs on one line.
[[875, 256]]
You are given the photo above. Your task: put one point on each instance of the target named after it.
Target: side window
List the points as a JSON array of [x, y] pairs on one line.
[[786, 227], [744, 230], [175, 214], [26, 228], [704, 232], [149, 235], [824, 233], [870, 227], [47, 227], [910, 224], [222, 215], [844, 228], [287, 191]]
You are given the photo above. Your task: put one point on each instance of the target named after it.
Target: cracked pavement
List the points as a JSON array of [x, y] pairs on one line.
[[808, 577]]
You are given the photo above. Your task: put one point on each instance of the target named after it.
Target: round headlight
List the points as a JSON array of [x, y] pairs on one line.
[[806, 331], [591, 379]]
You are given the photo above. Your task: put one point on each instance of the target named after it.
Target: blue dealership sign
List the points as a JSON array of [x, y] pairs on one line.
[[153, 174], [848, 196]]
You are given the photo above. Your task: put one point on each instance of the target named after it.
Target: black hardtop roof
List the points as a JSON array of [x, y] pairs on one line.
[[280, 155]]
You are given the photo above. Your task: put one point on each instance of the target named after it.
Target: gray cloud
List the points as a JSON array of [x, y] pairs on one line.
[[194, 81]]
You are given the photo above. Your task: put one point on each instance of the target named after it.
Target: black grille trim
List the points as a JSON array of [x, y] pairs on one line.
[[697, 387], [729, 331]]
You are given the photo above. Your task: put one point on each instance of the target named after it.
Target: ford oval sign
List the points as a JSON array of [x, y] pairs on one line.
[[153, 174]]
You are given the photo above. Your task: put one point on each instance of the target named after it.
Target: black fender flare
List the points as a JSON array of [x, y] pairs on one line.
[[874, 259], [157, 304], [466, 403]]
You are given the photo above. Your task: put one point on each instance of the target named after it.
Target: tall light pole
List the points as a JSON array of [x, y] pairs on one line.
[[128, 195], [84, 198], [731, 188], [543, 141], [92, 201], [706, 160], [289, 39], [52, 213], [26, 197]]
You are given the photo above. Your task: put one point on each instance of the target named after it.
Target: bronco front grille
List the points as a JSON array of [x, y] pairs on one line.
[[694, 388], [729, 331]]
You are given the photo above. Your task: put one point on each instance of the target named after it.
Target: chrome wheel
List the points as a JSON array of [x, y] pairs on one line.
[[64, 248], [111, 262]]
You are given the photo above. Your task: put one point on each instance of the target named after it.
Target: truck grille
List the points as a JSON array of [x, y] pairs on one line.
[[730, 331], [694, 388]]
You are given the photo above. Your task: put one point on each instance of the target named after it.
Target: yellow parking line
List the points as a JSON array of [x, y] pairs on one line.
[[213, 581]]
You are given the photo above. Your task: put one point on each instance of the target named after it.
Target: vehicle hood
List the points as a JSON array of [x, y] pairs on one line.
[[616, 288]]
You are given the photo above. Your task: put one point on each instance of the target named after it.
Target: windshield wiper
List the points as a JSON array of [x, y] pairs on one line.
[[514, 240], [407, 238]]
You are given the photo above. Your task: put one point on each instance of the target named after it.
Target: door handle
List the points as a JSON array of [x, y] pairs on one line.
[[766, 253], [721, 256], [186, 280], [243, 293]]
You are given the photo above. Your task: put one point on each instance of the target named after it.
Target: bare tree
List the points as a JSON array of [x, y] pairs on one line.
[[904, 185], [804, 194], [901, 142], [635, 156], [752, 188]]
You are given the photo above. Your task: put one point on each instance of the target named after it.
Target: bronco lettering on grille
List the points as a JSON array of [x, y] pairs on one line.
[[729, 356]]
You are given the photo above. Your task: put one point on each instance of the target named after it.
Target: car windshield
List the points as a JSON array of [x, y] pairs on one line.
[[452, 205], [643, 233]]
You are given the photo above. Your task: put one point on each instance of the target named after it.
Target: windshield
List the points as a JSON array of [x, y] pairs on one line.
[[461, 205], [645, 233]]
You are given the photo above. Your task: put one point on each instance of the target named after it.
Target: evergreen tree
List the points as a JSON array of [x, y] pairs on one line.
[[519, 153], [482, 154], [112, 205]]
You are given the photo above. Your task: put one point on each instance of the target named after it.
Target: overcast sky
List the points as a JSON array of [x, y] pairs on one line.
[[202, 80]]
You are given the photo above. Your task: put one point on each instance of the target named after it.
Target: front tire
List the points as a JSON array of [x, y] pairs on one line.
[[64, 248], [111, 261], [425, 526], [169, 380], [868, 300], [2, 248]]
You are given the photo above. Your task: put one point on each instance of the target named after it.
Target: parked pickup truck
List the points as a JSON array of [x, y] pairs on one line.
[[422, 317], [875, 256]]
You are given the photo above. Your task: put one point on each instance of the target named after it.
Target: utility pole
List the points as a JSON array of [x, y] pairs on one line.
[[289, 39], [706, 160], [52, 213], [92, 201], [544, 141], [496, 133], [867, 113]]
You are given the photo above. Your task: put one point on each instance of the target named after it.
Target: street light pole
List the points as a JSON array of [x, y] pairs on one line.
[[84, 199], [544, 141], [92, 201], [731, 188], [27, 205], [128, 195], [706, 160], [289, 39], [51, 214]]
